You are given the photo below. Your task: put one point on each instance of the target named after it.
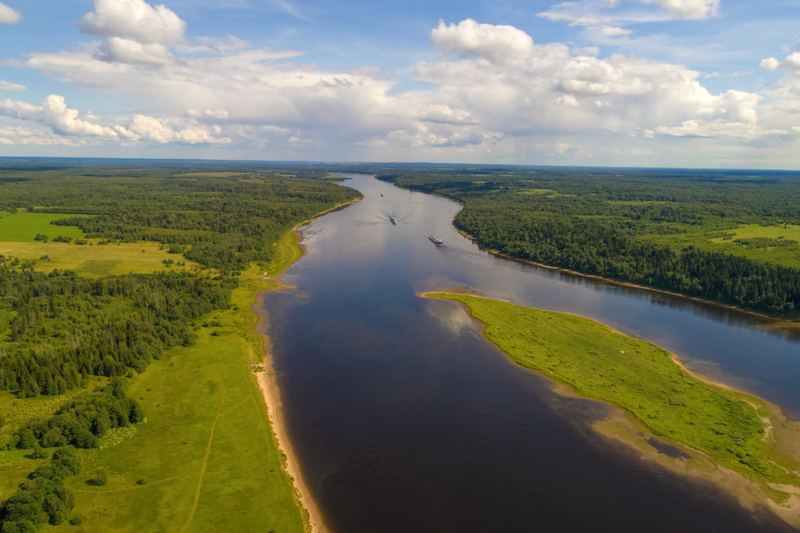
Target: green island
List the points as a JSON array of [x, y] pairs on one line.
[[731, 237], [129, 348], [731, 428]]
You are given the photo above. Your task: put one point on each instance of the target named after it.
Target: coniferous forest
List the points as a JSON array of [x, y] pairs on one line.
[[61, 328], [634, 226]]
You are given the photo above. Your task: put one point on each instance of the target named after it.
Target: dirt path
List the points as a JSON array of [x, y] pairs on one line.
[[220, 412]]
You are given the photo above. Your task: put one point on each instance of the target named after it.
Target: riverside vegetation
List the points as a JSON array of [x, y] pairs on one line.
[[147, 373], [730, 237], [602, 364]]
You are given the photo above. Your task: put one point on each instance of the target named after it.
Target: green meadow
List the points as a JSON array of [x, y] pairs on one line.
[[206, 458], [639, 377], [23, 227]]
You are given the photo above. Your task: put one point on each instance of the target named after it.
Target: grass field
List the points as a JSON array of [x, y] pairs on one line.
[[206, 450], [23, 227], [638, 377], [711, 241], [95, 261]]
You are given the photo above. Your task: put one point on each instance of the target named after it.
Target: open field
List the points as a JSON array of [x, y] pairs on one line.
[[95, 261], [207, 449], [603, 364], [751, 231], [787, 255], [23, 227]]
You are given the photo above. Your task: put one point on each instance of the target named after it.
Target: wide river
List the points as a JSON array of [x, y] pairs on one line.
[[405, 420]]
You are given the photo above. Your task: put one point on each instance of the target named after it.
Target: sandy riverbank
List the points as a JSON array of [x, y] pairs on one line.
[[624, 428], [268, 383]]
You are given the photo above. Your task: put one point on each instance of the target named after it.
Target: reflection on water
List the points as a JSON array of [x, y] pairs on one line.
[[405, 419]]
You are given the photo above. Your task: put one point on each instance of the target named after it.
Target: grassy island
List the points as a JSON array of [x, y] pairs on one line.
[[599, 363]]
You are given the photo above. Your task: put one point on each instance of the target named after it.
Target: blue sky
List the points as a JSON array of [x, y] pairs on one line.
[[698, 83]]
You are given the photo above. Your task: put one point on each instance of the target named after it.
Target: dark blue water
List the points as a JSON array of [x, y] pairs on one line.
[[405, 420]]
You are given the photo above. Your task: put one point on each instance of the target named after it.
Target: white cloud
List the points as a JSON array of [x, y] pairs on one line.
[[6, 86], [502, 44], [613, 31], [792, 63], [689, 9], [54, 113], [8, 15], [133, 20], [492, 88]]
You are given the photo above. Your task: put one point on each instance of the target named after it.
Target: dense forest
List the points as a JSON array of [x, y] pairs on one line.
[[43, 498], [229, 219], [83, 420], [63, 327], [597, 223], [58, 328]]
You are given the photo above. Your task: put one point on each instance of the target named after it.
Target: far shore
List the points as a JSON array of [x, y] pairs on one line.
[[774, 321]]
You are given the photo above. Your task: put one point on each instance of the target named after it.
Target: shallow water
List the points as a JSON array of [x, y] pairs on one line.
[[404, 419]]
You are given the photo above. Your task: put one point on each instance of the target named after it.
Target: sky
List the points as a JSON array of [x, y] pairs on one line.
[[638, 83]]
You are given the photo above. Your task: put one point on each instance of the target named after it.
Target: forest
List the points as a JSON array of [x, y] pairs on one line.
[[626, 226], [60, 328]]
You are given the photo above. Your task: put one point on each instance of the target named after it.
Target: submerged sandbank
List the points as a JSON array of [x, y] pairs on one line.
[[769, 471]]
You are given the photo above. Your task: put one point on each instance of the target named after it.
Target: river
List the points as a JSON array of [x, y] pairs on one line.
[[405, 420]]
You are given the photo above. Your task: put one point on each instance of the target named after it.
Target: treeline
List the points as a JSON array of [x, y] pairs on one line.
[[42, 499], [594, 249], [229, 221], [83, 420], [590, 222], [63, 327]]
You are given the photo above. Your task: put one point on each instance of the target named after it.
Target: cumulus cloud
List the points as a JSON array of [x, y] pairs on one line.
[[8, 15], [501, 44], [492, 88], [135, 20], [53, 112], [792, 63], [689, 9], [6, 86]]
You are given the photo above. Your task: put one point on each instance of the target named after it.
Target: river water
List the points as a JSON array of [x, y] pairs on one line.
[[405, 420]]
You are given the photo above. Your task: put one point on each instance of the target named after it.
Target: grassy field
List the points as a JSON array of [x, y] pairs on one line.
[[95, 261], [714, 241], [206, 450], [788, 256], [23, 227], [638, 377]]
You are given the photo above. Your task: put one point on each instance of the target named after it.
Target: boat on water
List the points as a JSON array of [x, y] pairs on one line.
[[394, 220], [436, 240]]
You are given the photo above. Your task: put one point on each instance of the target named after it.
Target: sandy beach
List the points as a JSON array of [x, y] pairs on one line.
[[268, 383]]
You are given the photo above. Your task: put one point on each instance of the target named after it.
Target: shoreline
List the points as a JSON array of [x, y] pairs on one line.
[[268, 383], [770, 321], [624, 427]]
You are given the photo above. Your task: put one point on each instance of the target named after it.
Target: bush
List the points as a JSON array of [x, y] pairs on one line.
[[40, 237], [101, 476], [142, 481], [61, 238], [77, 520]]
